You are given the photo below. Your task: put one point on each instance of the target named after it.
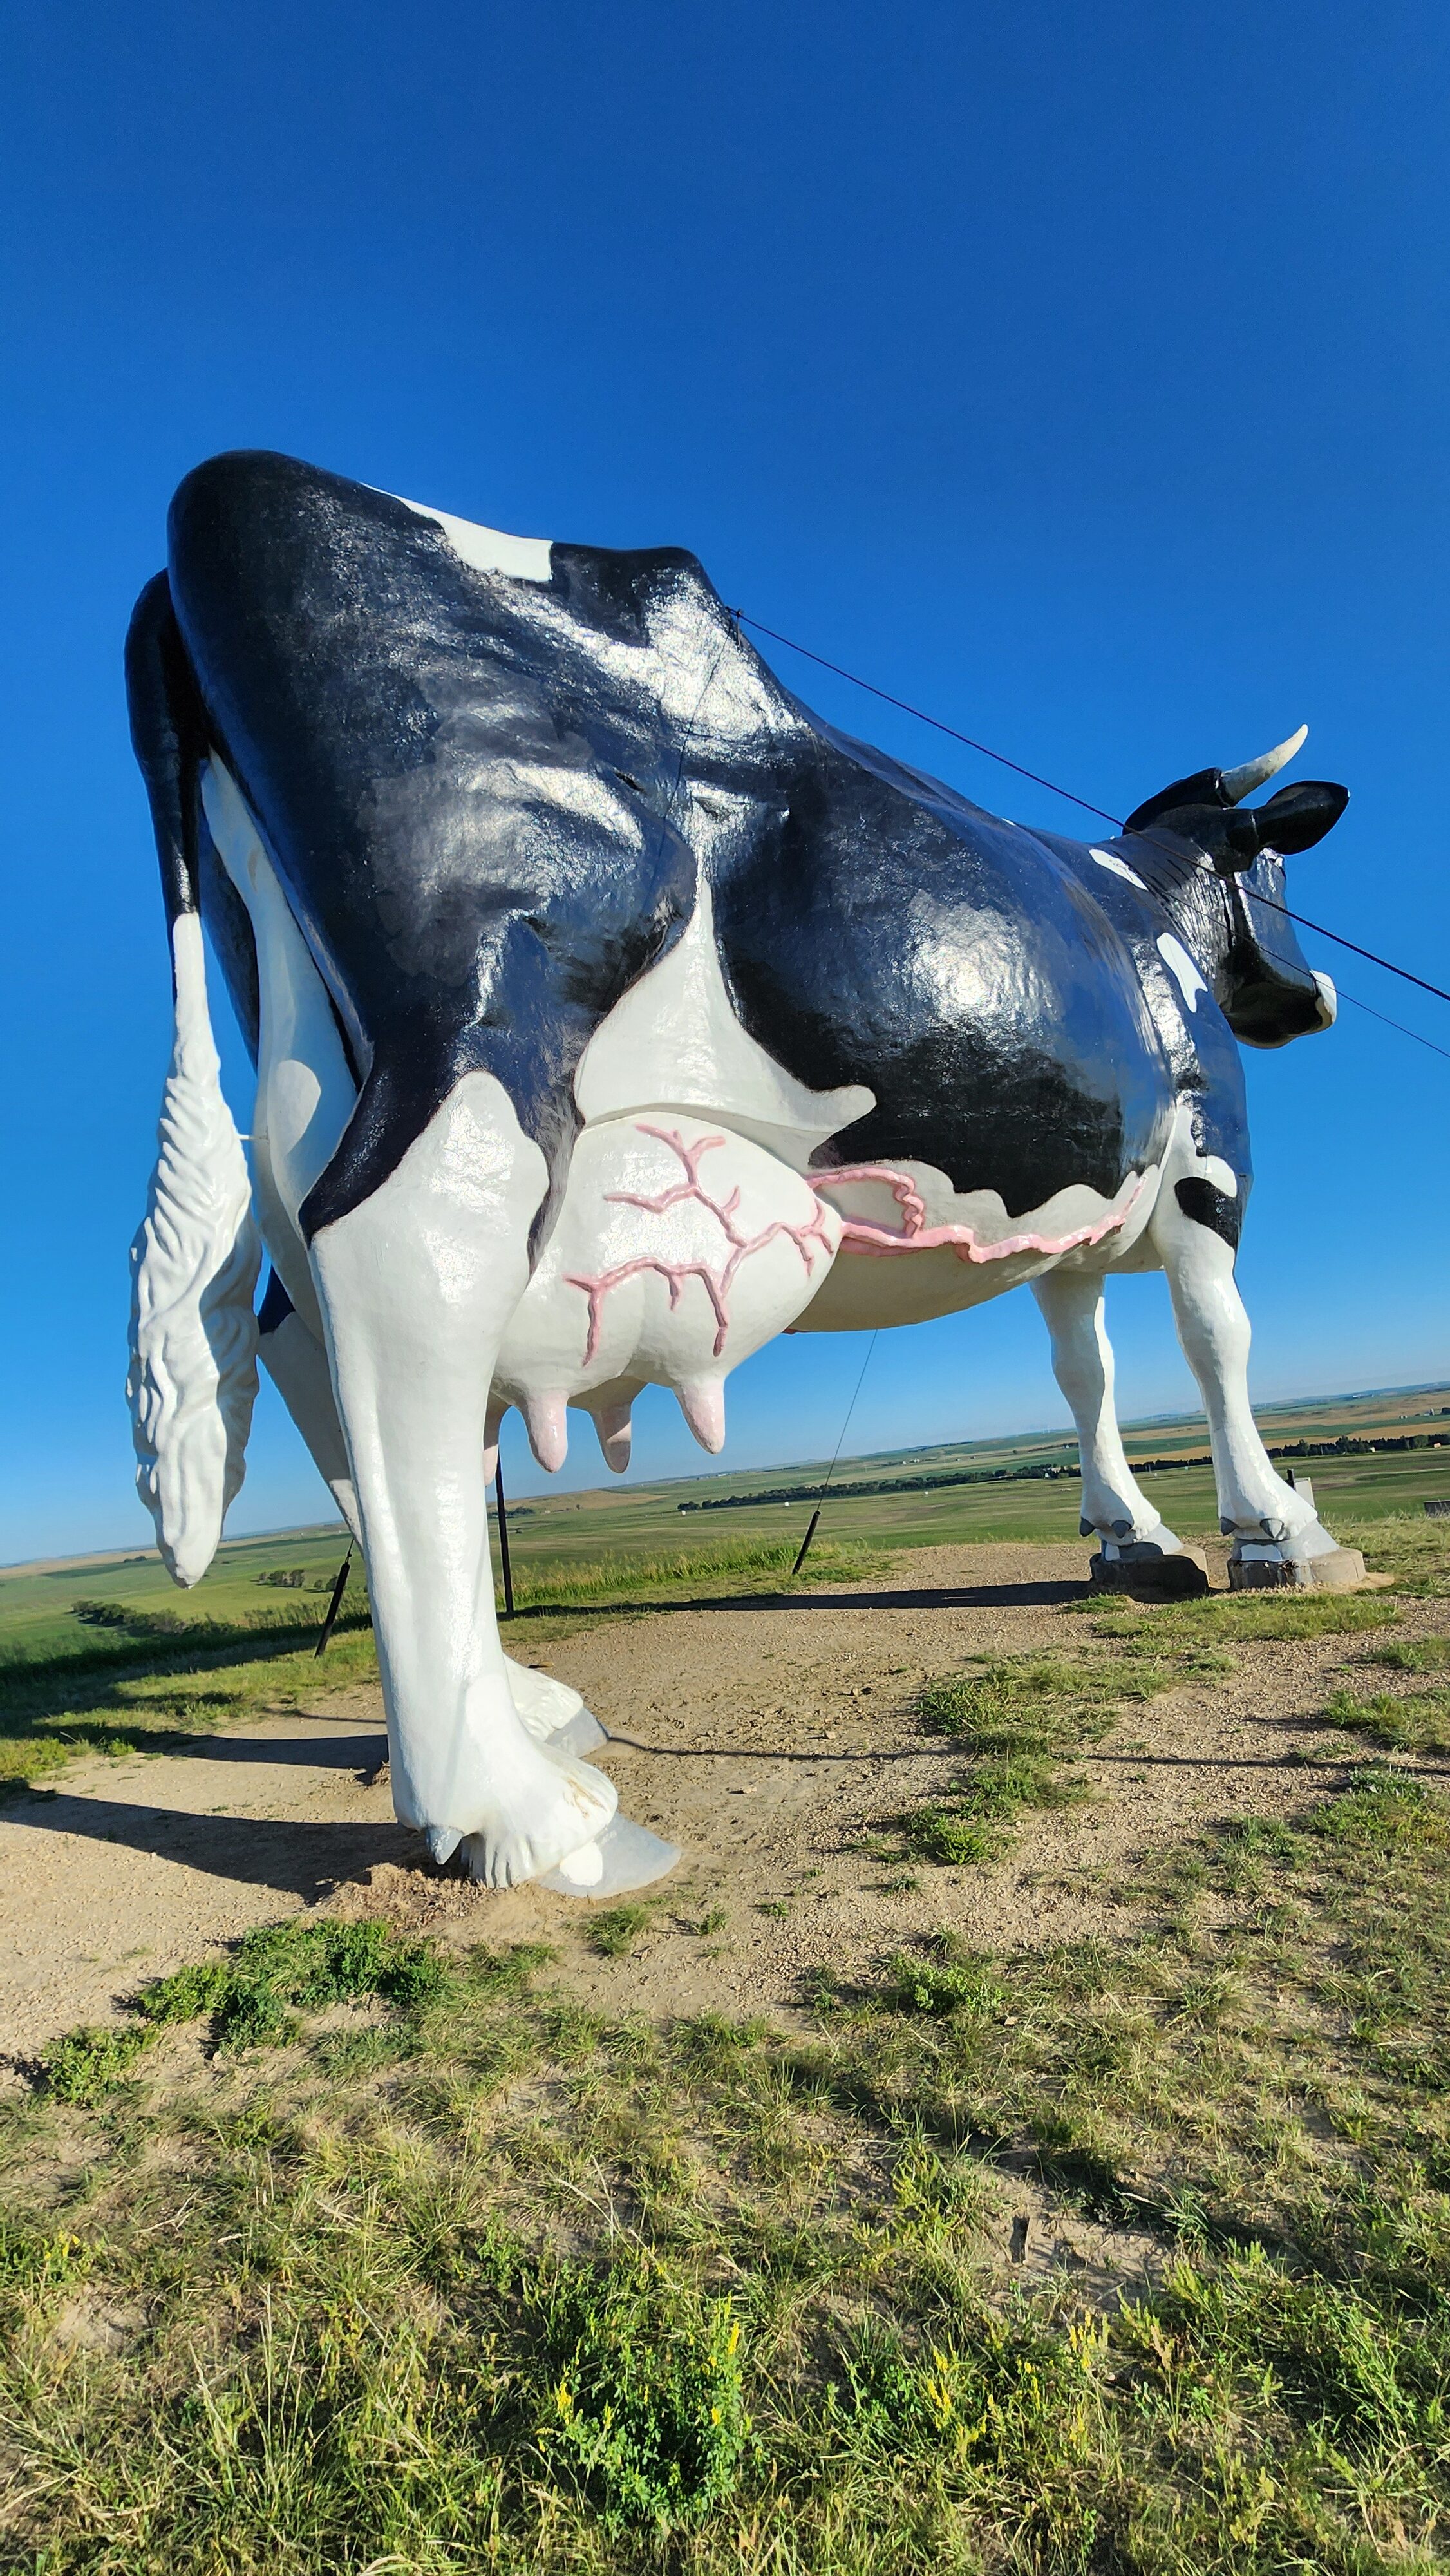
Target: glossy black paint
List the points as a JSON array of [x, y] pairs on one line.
[[1222, 1214], [489, 801]]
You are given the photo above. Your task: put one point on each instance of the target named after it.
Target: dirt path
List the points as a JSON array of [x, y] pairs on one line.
[[768, 1739]]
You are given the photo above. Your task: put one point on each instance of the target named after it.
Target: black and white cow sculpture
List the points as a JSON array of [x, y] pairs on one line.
[[611, 1014]]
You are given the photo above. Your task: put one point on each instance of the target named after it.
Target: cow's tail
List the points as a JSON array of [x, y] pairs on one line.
[[192, 1381]]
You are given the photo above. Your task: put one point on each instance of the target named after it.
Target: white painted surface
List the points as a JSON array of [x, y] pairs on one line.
[[679, 1249], [861, 1294], [1254, 1501], [488, 549], [296, 1363], [416, 1286], [674, 1042], [1119, 868], [1182, 968], [1082, 1360], [193, 1375]]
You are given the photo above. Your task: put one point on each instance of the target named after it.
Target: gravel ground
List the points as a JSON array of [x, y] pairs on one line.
[[770, 1738]]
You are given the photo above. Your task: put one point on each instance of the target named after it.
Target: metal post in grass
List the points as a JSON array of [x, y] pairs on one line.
[[335, 1604], [830, 1471], [805, 1542], [503, 1541]]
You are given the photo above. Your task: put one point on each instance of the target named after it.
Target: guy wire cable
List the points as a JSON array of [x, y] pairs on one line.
[[830, 1471], [743, 617]]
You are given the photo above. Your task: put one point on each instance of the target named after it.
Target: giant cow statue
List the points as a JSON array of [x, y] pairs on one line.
[[612, 1013]]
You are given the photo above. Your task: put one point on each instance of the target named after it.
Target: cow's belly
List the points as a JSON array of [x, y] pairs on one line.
[[913, 1248]]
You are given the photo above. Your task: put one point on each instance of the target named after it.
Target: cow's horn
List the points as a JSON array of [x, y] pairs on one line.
[[1235, 784]]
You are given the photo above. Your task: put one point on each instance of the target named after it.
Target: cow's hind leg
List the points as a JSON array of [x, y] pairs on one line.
[[1271, 1525], [297, 1363], [1114, 1506], [416, 1286]]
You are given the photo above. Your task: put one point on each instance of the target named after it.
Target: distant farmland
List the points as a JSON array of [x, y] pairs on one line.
[[1368, 1455]]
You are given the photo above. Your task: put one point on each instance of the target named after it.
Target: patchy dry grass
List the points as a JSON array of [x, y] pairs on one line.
[[427, 2267], [1025, 1720]]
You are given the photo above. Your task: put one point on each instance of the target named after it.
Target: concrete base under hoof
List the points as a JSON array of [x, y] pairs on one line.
[[1180, 1577], [1342, 1570]]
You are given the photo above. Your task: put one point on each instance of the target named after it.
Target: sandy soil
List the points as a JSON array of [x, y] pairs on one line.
[[769, 1738]]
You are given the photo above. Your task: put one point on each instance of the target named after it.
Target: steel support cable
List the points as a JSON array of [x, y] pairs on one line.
[[1087, 807]]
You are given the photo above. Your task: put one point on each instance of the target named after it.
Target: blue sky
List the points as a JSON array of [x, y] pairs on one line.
[[1078, 372]]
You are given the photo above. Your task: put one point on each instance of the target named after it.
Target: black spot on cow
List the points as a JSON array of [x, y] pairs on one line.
[[1221, 1213]]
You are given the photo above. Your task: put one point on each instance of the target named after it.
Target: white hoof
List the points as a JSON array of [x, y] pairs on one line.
[[626, 1856], [1133, 1546], [539, 1822], [1278, 1541]]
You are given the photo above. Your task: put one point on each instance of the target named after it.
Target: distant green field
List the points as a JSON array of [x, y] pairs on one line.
[[613, 1530], [38, 1614]]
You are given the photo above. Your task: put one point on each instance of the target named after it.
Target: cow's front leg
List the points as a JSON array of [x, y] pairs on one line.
[[416, 1285], [1269, 1522], [1113, 1504]]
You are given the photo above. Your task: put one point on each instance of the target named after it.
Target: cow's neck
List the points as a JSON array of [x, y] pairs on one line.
[[1199, 906]]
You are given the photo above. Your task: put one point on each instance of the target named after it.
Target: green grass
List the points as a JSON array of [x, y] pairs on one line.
[[431, 2268], [1409, 1722], [615, 1930], [1249, 1618], [144, 1703], [251, 1998], [562, 1582], [1025, 1719]]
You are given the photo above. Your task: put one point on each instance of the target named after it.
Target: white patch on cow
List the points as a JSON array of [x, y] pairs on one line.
[[296, 1363], [1118, 868], [1219, 1175], [488, 549], [305, 1090], [1328, 999], [1181, 967], [1071, 1302], [1254, 1501], [193, 1375], [674, 1042], [417, 1283]]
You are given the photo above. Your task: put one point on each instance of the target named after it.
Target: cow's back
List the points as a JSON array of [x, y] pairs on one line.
[[489, 798]]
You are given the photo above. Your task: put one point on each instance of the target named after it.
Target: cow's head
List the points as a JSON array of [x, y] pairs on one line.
[[1262, 982]]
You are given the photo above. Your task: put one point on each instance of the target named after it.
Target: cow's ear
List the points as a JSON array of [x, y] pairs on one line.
[[1299, 816], [1203, 788]]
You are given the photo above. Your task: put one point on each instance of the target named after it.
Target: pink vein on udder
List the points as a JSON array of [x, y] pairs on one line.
[[858, 1234], [716, 1282]]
